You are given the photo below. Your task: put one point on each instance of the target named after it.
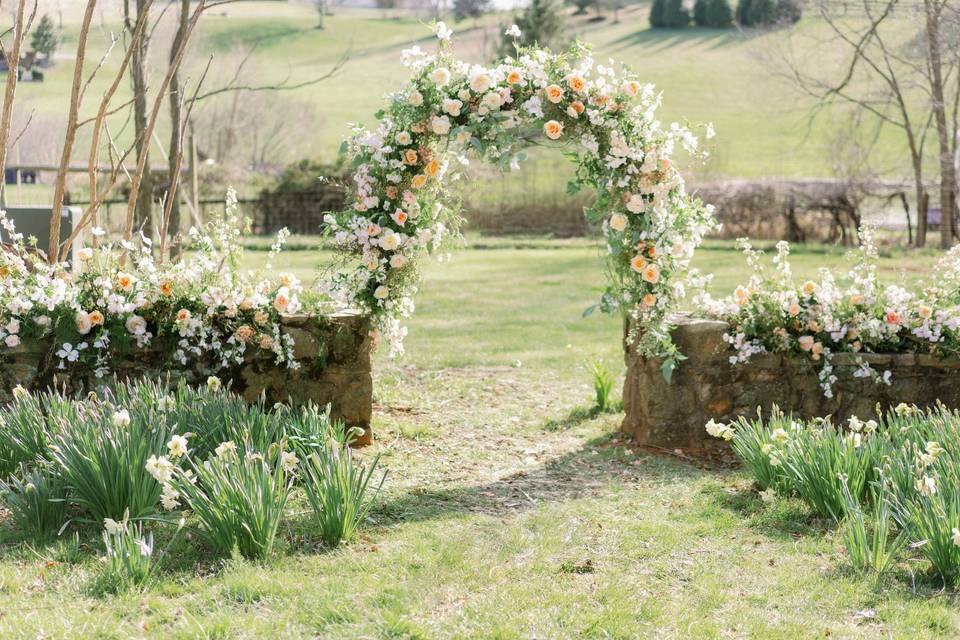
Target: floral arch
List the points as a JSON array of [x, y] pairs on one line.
[[400, 211]]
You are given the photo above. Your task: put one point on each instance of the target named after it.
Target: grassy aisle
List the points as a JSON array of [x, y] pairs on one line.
[[509, 511]]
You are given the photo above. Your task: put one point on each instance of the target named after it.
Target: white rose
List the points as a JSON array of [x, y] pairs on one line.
[[440, 125], [440, 76], [136, 325], [389, 241], [398, 260], [12, 341], [381, 292], [492, 101], [82, 320], [415, 98], [636, 204], [404, 138], [618, 222], [479, 82], [452, 106]]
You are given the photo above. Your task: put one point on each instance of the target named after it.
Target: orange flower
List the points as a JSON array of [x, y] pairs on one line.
[[433, 168], [391, 192], [166, 288], [638, 263], [96, 318], [577, 83], [418, 181], [649, 300], [244, 333], [553, 129], [183, 315], [651, 274], [514, 77], [652, 252], [125, 281], [577, 106], [554, 93], [410, 156]]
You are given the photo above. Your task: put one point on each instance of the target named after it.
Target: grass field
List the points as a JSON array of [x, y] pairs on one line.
[[510, 511], [724, 77]]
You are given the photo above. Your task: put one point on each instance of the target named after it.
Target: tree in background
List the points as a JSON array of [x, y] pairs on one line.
[[582, 6], [657, 14], [540, 23], [762, 12], [463, 9], [675, 15], [700, 13], [743, 12], [719, 15], [45, 39]]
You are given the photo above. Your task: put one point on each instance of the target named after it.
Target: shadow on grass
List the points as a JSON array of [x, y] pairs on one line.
[[662, 40], [783, 519], [587, 472]]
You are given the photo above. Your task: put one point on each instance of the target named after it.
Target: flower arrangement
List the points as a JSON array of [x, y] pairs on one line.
[[854, 314], [120, 295], [399, 210]]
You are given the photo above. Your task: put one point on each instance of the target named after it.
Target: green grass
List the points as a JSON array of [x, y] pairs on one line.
[[511, 510]]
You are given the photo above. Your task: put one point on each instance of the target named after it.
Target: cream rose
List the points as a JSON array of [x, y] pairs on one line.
[[440, 76], [553, 129], [82, 322], [440, 125], [618, 222], [479, 82], [452, 106]]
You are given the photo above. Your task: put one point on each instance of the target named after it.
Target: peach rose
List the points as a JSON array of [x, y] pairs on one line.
[[577, 83], [554, 93], [651, 274], [553, 129], [96, 318], [418, 181], [637, 263]]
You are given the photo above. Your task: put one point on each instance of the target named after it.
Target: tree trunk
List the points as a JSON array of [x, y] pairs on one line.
[[138, 76], [948, 182], [176, 131]]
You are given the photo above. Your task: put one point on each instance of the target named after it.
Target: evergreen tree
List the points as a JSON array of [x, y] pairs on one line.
[[743, 12], [700, 13], [657, 13], [675, 15], [463, 9], [763, 13], [582, 6], [45, 39], [541, 23], [789, 11], [718, 14]]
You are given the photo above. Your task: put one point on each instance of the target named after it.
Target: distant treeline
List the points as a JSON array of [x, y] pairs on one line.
[[718, 14]]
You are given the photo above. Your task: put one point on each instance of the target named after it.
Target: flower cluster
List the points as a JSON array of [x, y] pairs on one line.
[[854, 314], [118, 295], [399, 210]]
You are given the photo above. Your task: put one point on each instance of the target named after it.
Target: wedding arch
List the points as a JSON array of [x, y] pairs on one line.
[[399, 210]]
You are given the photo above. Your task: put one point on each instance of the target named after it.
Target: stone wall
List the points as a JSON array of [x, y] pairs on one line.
[[706, 385], [333, 353]]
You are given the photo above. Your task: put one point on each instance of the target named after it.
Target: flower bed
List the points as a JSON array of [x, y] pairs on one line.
[[708, 386], [125, 311]]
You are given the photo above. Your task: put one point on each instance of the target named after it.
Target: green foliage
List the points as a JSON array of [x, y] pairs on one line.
[[675, 15], [463, 9], [307, 174], [542, 23], [752, 445], [700, 13], [603, 382], [657, 14], [129, 563], [44, 39], [762, 13], [102, 460], [743, 12], [867, 535], [337, 487], [35, 498], [719, 15], [582, 6], [239, 498]]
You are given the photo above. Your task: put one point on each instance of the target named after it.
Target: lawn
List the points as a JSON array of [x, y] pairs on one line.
[[509, 510]]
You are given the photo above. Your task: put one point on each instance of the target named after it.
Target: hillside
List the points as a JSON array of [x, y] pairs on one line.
[[724, 77]]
